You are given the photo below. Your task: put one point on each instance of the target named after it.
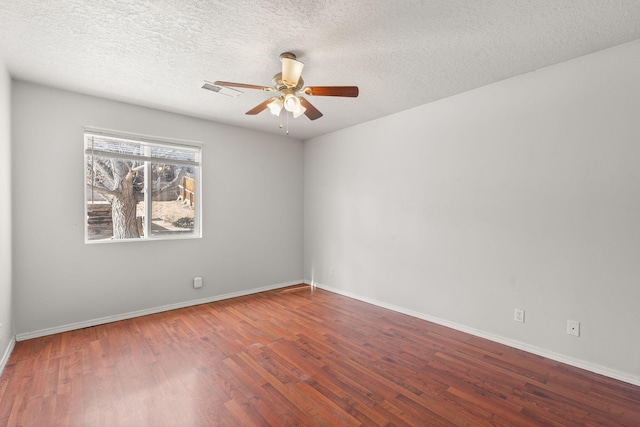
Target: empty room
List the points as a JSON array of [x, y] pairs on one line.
[[373, 213]]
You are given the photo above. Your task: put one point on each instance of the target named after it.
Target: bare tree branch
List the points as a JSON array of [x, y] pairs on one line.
[[106, 170], [103, 190]]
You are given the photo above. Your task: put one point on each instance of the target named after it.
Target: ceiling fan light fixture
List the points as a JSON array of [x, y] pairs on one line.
[[275, 106], [300, 111], [291, 103]]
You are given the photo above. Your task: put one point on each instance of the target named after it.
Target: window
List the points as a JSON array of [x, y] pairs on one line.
[[129, 176]]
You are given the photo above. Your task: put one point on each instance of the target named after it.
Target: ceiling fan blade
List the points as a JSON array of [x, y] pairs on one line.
[[243, 85], [312, 112], [351, 91], [260, 107], [291, 69]]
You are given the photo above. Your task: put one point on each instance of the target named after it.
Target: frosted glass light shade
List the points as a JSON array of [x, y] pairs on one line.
[[291, 71], [300, 111], [275, 106], [291, 103]]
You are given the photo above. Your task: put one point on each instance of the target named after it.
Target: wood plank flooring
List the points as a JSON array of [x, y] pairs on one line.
[[296, 357]]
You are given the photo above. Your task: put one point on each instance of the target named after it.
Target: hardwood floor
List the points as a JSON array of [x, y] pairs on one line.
[[296, 357]]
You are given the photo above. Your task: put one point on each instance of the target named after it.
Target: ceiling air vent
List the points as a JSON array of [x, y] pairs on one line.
[[227, 91]]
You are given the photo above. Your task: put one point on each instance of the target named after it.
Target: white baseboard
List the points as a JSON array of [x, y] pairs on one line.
[[153, 310], [7, 353], [578, 363]]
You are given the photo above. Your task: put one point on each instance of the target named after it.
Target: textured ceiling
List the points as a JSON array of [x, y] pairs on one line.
[[400, 53]]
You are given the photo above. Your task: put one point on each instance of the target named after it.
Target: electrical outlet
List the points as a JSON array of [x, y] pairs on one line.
[[573, 327], [518, 315], [197, 282]]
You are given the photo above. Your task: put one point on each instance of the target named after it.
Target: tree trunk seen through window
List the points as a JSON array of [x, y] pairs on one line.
[[125, 200], [121, 183]]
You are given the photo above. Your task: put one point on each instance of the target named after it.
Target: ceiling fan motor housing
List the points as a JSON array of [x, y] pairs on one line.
[[280, 85]]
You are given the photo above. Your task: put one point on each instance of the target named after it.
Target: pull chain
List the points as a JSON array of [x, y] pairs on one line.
[[281, 126]]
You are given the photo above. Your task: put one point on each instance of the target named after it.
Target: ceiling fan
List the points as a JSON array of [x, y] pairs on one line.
[[289, 83]]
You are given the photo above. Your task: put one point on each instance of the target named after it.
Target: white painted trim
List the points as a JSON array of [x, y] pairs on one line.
[[149, 139], [578, 363], [132, 314], [7, 354]]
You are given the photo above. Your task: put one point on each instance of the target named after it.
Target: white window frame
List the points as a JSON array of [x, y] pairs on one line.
[[147, 142]]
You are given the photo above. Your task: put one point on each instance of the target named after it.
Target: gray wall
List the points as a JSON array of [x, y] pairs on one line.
[[6, 315], [524, 193], [252, 215], [519, 194]]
